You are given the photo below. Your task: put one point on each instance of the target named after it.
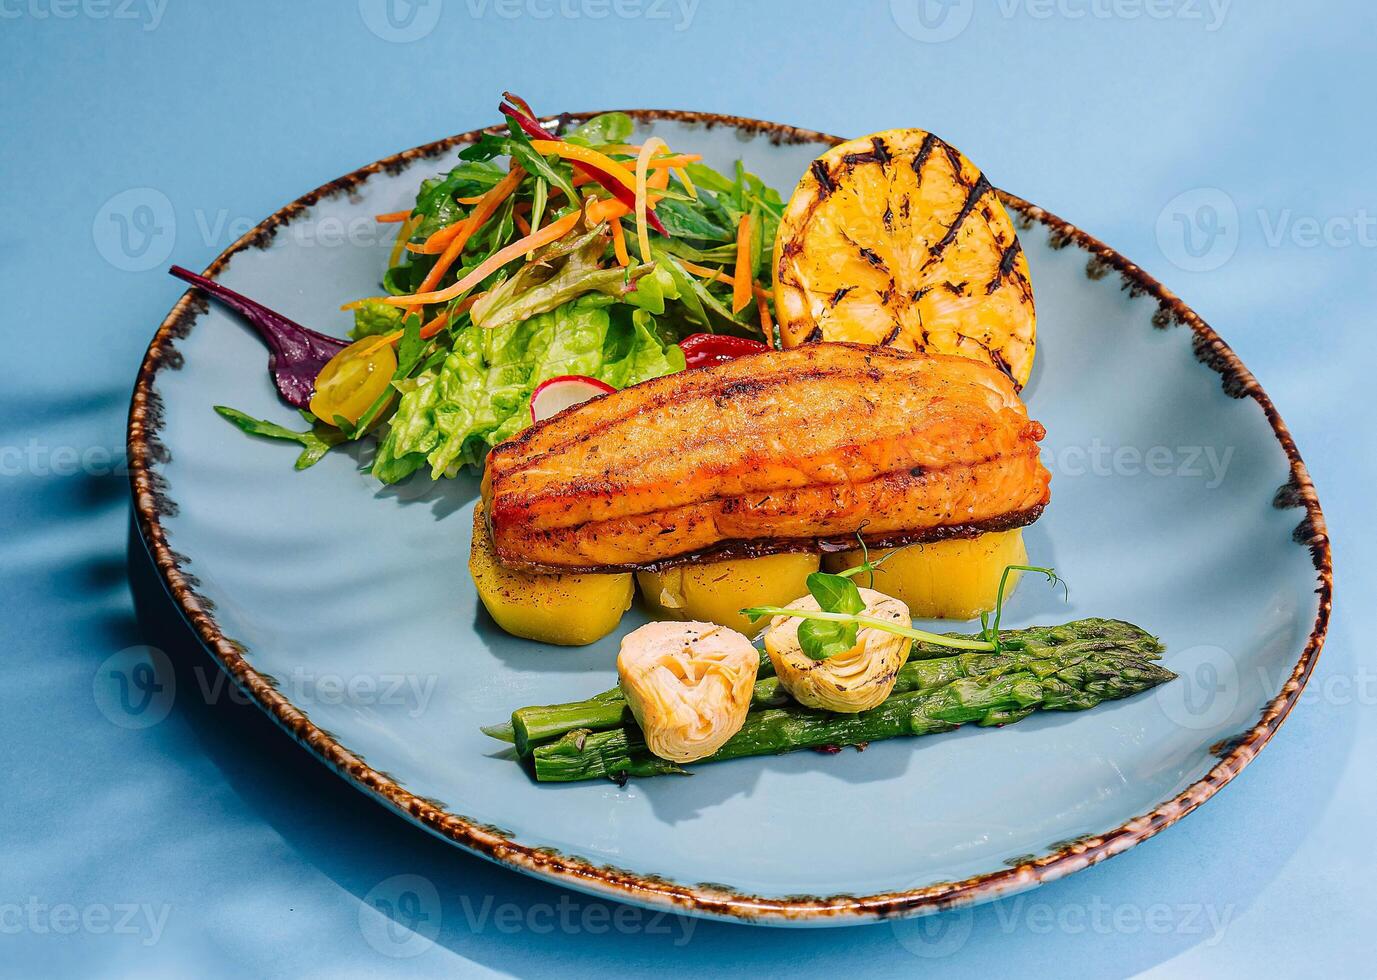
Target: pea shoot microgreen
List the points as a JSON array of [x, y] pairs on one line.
[[835, 626]]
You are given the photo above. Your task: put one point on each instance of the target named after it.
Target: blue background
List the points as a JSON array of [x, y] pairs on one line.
[[262, 861]]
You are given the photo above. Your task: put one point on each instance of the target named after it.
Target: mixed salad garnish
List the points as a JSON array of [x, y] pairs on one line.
[[540, 255]]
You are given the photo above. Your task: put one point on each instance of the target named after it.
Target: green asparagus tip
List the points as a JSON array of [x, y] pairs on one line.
[[503, 732]]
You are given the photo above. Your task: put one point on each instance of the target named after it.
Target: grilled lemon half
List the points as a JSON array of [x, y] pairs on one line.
[[898, 239]]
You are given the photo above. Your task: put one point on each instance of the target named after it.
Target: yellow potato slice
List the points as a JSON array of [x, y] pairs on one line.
[[898, 239], [566, 610], [956, 579], [718, 591]]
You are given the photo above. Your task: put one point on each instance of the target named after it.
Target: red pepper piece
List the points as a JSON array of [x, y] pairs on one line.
[[704, 349]]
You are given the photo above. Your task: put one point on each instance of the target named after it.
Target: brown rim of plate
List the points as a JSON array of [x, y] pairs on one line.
[[151, 502]]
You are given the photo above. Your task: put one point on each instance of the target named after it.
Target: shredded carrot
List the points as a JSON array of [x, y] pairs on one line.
[[593, 158], [648, 149], [469, 200], [605, 210], [441, 241], [521, 223], [491, 264], [671, 160], [675, 162], [717, 276], [767, 327], [581, 178], [619, 243], [610, 209], [403, 233], [392, 216], [688, 184], [741, 285], [481, 213]]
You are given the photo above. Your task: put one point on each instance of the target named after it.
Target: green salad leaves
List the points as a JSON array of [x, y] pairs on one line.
[[587, 303], [480, 393]]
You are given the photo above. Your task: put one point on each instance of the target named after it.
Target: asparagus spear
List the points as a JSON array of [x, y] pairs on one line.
[[539, 724], [1063, 681]]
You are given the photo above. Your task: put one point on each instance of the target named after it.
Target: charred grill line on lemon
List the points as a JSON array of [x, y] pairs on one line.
[[793, 450], [874, 226]]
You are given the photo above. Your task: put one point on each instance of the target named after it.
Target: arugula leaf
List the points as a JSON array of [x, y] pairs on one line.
[[486, 147], [609, 127], [519, 149], [317, 440], [685, 221], [704, 176]]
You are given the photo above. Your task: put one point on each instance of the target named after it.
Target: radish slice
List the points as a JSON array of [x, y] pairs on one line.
[[556, 394]]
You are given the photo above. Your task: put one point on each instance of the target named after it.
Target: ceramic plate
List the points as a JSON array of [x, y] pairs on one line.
[[345, 610]]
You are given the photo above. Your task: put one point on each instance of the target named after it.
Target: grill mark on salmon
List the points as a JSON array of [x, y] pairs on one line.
[[768, 453]]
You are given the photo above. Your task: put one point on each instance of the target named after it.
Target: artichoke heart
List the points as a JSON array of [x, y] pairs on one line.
[[856, 680], [688, 685]]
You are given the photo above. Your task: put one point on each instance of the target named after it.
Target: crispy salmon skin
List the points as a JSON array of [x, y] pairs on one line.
[[795, 450]]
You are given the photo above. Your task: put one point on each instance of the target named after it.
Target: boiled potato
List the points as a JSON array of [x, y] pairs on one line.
[[956, 579], [566, 610], [718, 591]]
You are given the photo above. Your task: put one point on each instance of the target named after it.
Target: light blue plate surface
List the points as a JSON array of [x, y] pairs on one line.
[[354, 600]]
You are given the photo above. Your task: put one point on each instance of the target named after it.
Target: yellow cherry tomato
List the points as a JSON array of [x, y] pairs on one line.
[[352, 380]]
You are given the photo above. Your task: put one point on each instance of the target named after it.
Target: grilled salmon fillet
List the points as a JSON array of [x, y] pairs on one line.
[[795, 450]]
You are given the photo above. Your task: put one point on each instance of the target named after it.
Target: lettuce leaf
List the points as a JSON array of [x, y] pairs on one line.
[[373, 317], [450, 416]]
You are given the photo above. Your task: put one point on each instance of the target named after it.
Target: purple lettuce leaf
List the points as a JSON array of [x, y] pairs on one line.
[[296, 353]]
